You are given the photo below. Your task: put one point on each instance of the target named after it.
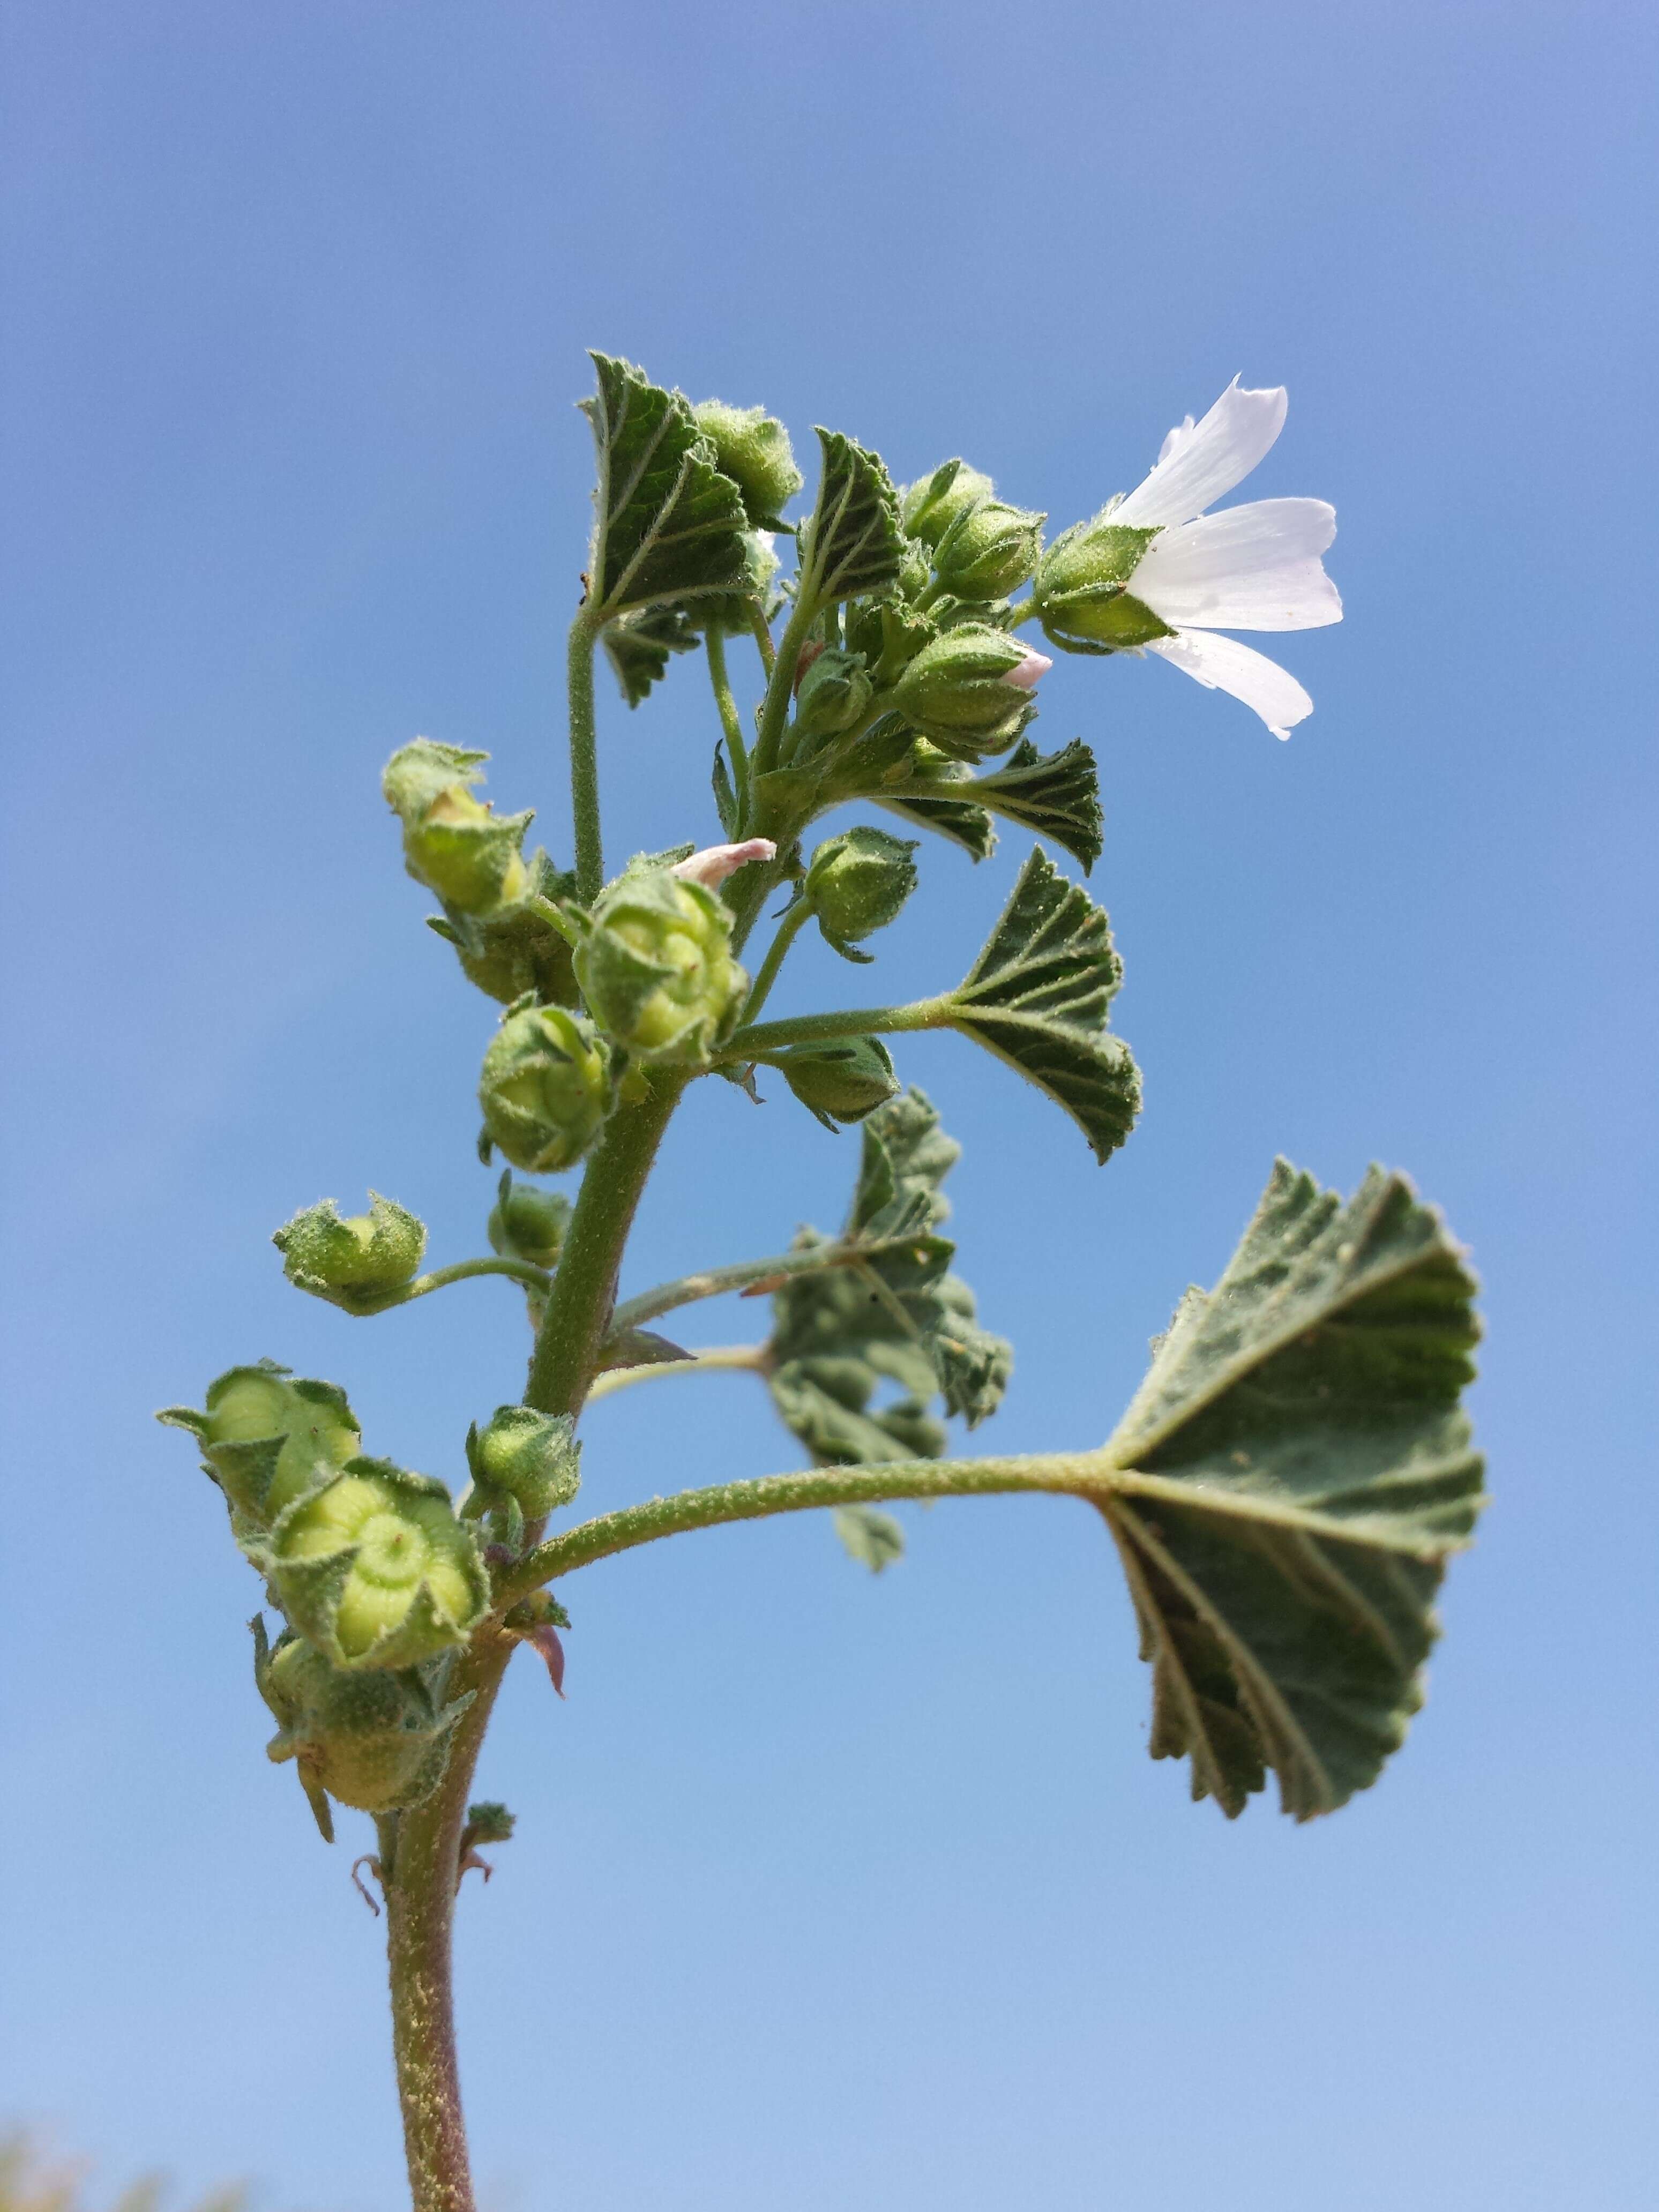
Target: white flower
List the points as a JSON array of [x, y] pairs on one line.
[[1255, 566]]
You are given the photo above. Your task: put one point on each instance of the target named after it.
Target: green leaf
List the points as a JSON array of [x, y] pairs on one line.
[[874, 1539], [900, 1321], [726, 798], [669, 526], [638, 647], [1056, 794], [1296, 1472], [1038, 997], [853, 544], [964, 825]]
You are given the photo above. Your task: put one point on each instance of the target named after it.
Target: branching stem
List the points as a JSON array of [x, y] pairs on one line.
[[755, 1042], [713, 1359], [788, 930], [745, 1274], [731, 721], [520, 1271]]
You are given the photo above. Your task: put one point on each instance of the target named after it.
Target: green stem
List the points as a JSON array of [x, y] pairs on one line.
[[715, 1282], [731, 722], [578, 1311], [1024, 610], [762, 1037], [1077, 1474], [583, 759], [777, 951], [780, 689], [768, 652], [714, 1359], [520, 1271]]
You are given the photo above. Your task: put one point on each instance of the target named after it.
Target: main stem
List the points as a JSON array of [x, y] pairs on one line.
[[584, 761], [421, 1881]]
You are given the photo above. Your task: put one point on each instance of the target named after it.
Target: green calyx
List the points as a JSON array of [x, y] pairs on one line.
[[834, 693], [841, 1081], [528, 1223], [373, 1567], [358, 1254], [752, 447], [377, 1739], [655, 966], [545, 1088], [1079, 588], [989, 551], [958, 691], [266, 1437], [857, 884], [524, 1464], [453, 843], [929, 507]]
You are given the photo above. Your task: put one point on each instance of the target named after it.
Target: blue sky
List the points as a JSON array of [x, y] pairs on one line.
[[827, 1891]]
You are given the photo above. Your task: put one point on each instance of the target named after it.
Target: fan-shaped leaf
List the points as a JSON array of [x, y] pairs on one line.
[[668, 525], [1295, 1470], [1038, 997], [853, 544], [638, 646]]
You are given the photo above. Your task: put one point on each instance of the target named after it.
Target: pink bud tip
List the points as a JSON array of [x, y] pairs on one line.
[[711, 867], [1029, 671]]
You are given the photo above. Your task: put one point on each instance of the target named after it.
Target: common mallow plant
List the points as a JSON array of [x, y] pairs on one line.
[[1285, 1489]]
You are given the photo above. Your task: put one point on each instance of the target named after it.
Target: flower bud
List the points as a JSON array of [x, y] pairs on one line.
[[989, 551], [857, 884], [834, 693], [513, 948], [929, 507], [841, 1081], [1079, 588], [266, 1437], [656, 967], [544, 1089], [752, 448], [365, 1254], [452, 843], [374, 1568], [528, 1223], [970, 690], [376, 1739], [530, 1457]]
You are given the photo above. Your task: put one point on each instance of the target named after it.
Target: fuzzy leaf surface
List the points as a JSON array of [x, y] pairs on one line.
[[639, 645], [1296, 1470], [669, 525], [853, 544], [1038, 998], [902, 1320]]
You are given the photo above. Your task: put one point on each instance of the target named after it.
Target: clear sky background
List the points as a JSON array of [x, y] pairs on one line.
[[827, 1891]]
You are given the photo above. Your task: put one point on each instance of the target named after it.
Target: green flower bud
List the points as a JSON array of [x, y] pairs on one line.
[[452, 843], [656, 967], [364, 1253], [929, 507], [523, 1456], [833, 695], [1079, 588], [528, 1223], [842, 1081], [970, 690], [374, 1568], [989, 550], [857, 882], [545, 1088], [377, 1738], [752, 448], [266, 1437], [513, 948]]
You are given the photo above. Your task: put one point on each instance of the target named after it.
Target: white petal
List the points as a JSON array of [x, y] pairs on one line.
[[1254, 567], [1177, 438], [1224, 665], [715, 863], [1199, 465]]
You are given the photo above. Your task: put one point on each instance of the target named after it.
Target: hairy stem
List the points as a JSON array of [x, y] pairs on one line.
[[762, 1037], [714, 1359], [1077, 1474], [748, 1274], [781, 685], [462, 1271], [768, 652], [731, 722], [583, 759], [777, 953]]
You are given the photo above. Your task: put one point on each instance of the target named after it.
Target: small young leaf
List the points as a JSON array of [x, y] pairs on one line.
[[874, 1539], [638, 647], [1296, 1471], [964, 825], [1038, 997], [668, 525], [853, 544], [726, 798]]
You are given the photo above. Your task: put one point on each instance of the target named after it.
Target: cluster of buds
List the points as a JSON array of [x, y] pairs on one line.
[[355, 1257]]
